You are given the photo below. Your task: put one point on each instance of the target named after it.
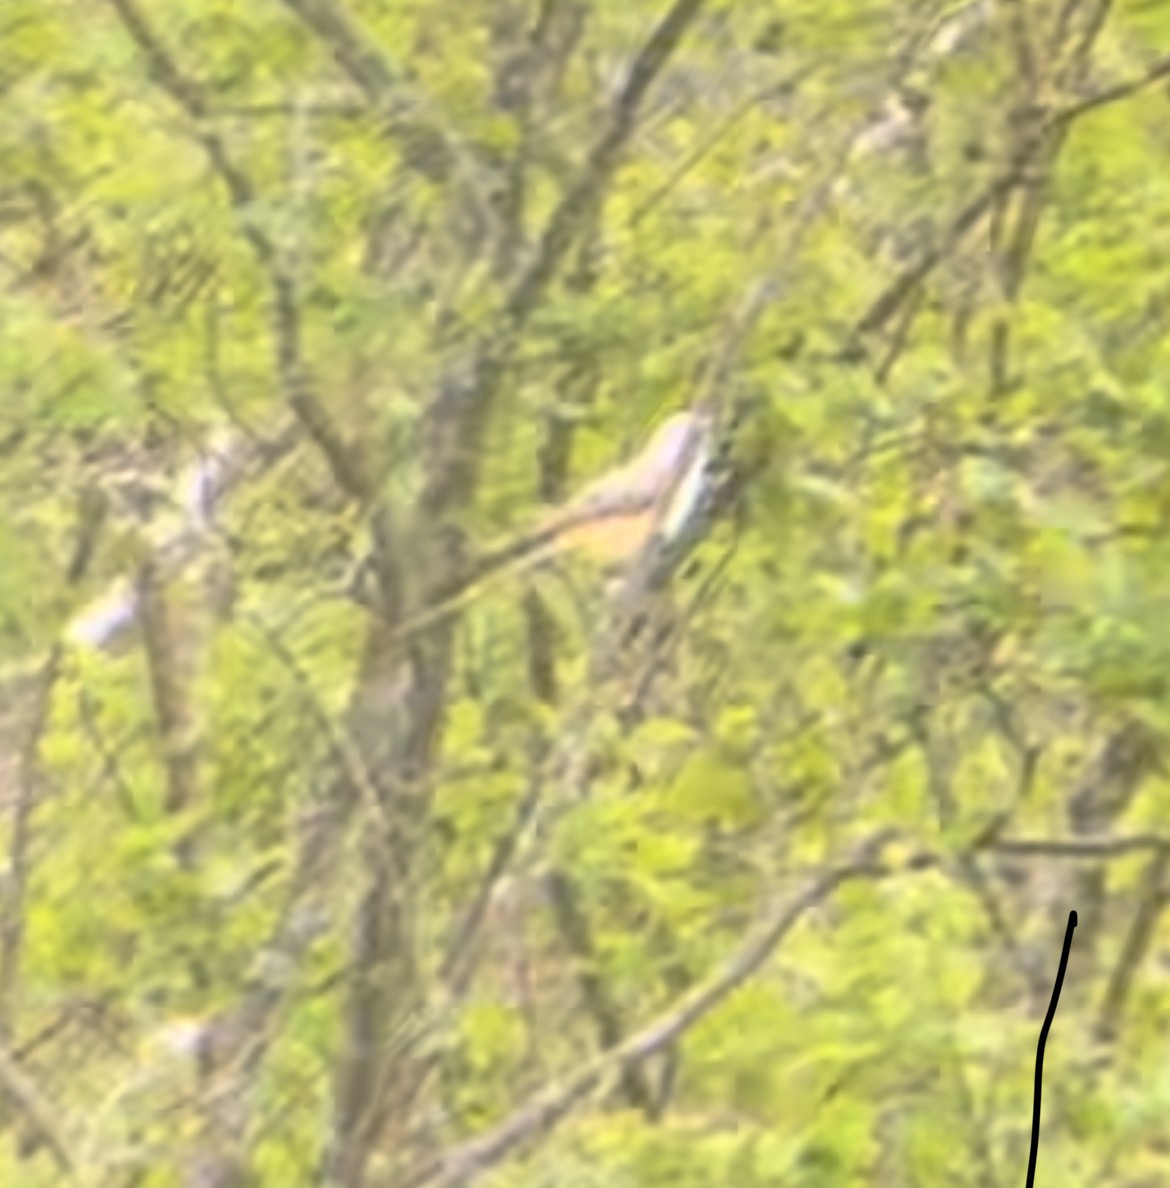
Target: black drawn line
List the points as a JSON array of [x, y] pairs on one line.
[[1068, 935]]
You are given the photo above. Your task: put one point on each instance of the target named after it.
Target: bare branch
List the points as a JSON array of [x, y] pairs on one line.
[[457, 966], [427, 148], [355, 54], [43, 1115], [906, 283], [463, 1164], [602, 160], [895, 295], [1115, 94], [1081, 847], [1072, 54], [171, 648], [39, 694], [12, 906], [344, 750], [199, 493], [1155, 898], [574, 930]]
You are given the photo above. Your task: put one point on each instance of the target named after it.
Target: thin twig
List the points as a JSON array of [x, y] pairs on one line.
[[457, 967], [40, 696], [906, 283], [1154, 900], [1081, 847], [602, 160], [345, 752], [1114, 94], [43, 1115]]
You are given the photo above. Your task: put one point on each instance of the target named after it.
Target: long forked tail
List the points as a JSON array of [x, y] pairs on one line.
[[561, 534], [612, 519]]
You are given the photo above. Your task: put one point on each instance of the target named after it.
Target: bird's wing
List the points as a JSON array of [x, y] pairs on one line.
[[689, 491]]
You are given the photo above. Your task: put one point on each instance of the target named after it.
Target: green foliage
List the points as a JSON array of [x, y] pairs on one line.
[[939, 605]]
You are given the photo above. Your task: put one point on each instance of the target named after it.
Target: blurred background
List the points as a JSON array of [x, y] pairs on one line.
[[354, 833]]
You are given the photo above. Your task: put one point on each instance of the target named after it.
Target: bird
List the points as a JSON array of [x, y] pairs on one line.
[[612, 519]]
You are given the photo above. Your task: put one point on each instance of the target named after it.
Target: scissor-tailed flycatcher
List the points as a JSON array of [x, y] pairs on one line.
[[614, 517]]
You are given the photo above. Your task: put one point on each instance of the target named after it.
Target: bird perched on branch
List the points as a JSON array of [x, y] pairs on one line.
[[613, 518], [610, 521]]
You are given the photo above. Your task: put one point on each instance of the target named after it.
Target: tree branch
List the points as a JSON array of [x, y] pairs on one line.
[[460, 413], [1115, 94], [426, 148], [1081, 847], [39, 695], [355, 54], [461, 1165], [906, 283], [42, 1114], [602, 160], [295, 382], [1154, 900]]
